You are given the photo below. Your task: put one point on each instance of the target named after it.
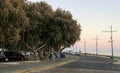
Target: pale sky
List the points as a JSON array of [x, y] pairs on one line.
[[94, 17]]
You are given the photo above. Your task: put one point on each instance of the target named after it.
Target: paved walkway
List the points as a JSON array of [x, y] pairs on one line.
[[23, 67], [45, 67], [50, 65]]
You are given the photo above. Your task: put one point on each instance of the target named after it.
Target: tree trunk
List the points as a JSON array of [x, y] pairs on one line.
[[40, 54], [36, 55]]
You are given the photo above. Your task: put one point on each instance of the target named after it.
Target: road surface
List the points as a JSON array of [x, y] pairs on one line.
[[11, 67], [87, 64]]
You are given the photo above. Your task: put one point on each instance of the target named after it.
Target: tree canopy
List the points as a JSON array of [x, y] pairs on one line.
[[36, 26], [12, 20]]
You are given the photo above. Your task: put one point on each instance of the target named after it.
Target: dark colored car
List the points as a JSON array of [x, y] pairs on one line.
[[9, 56]]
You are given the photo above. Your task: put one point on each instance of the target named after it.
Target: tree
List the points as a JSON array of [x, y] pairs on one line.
[[12, 20], [50, 29], [68, 30], [38, 14], [36, 27]]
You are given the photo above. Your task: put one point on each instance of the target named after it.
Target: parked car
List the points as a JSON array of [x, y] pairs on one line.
[[9, 56]]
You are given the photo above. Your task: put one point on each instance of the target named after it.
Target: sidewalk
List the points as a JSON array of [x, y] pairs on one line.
[[48, 65]]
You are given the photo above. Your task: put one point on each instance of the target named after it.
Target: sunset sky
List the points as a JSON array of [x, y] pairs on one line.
[[94, 16]]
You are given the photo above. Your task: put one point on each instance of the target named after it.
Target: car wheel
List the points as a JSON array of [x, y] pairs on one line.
[[6, 59]]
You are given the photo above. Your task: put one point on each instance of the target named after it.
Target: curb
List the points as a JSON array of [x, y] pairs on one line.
[[44, 67]]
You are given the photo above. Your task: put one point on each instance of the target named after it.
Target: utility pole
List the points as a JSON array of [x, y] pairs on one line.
[[96, 45], [111, 40], [85, 46]]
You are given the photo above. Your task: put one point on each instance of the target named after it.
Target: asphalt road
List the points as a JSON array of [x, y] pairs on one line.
[[11, 67], [87, 64]]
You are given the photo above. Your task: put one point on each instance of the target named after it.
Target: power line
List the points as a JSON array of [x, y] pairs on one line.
[[111, 37]]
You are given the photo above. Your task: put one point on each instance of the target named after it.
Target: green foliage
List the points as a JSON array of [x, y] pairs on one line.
[[12, 19], [69, 30], [37, 24]]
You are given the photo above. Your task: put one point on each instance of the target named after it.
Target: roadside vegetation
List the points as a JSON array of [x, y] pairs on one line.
[[36, 27]]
